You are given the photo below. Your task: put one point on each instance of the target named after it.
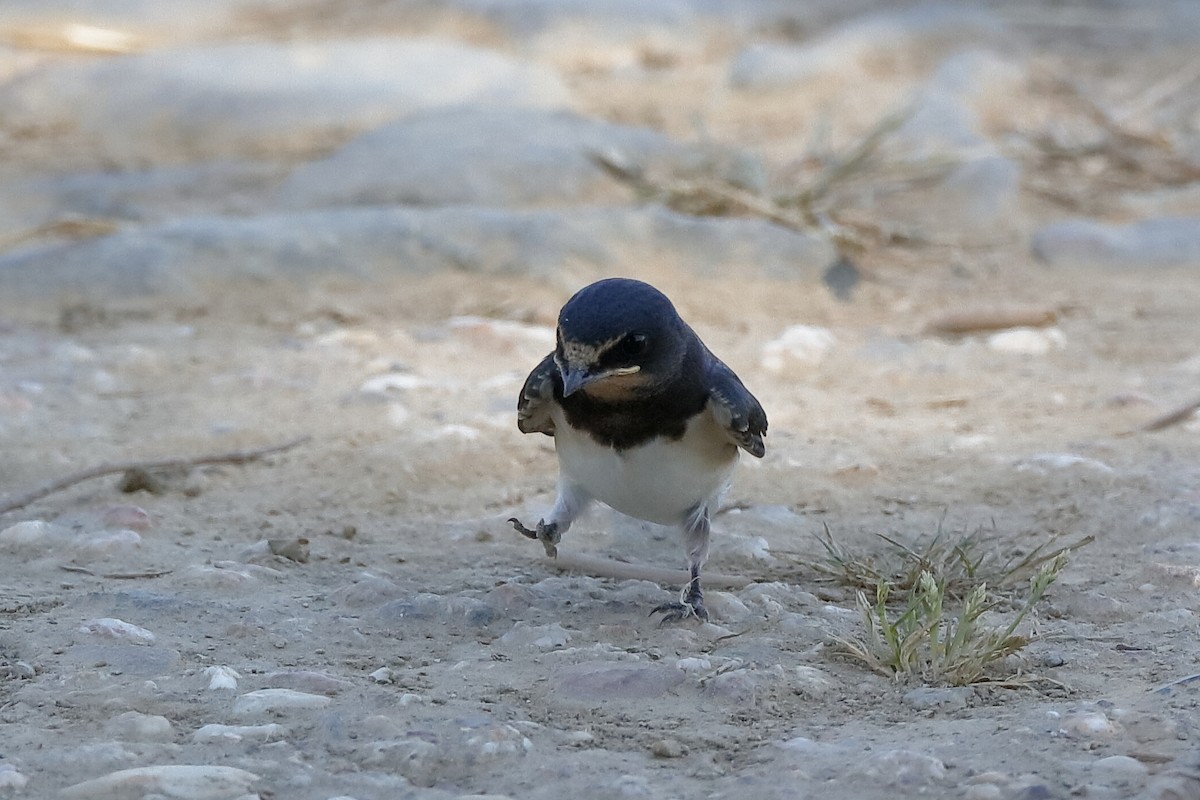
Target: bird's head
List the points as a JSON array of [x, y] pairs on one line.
[[619, 338]]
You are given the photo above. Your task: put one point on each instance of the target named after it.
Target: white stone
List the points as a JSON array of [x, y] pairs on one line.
[[540, 637], [11, 780], [235, 733], [1043, 463], [812, 682], [1027, 341], [1089, 725], [133, 726], [266, 701], [1120, 769], [33, 535], [221, 678], [113, 628], [382, 675], [393, 381], [175, 781], [798, 344]]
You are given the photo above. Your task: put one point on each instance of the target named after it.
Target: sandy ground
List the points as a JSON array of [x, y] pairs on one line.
[[453, 658], [403, 491]]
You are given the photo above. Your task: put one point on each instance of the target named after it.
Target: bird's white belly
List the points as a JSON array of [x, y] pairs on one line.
[[660, 481]]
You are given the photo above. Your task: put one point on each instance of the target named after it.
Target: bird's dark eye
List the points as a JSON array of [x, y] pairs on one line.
[[634, 345]]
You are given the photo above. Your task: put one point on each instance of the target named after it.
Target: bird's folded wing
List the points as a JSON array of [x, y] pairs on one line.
[[736, 410], [537, 395]]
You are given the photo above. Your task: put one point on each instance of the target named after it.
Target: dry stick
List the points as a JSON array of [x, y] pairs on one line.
[[991, 319], [100, 470], [1181, 414], [608, 568]]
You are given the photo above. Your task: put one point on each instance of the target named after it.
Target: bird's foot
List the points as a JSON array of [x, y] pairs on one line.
[[690, 605], [545, 533], [680, 611]]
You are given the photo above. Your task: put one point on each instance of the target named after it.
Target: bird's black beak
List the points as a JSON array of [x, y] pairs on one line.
[[574, 380]]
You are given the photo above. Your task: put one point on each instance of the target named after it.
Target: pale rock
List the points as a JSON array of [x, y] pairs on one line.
[[221, 678], [866, 46], [478, 155], [266, 701], [539, 637], [693, 664], [105, 544], [174, 781], [906, 768], [11, 780], [1159, 242], [812, 682], [382, 675], [393, 382], [1045, 463], [33, 536], [1089, 725], [178, 258], [924, 698], [312, 681], [112, 628], [126, 517], [725, 606], [499, 740], [607, 681], [805, 345], [1027, 341], [133, 726], [215, 732], [252, 98]]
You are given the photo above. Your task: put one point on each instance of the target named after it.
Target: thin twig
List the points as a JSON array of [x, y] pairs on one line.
[[233, 457], [1181, 414]]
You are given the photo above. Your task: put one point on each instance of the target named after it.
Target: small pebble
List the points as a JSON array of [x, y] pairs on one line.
[[33, 535], [941, 698], [221, 678], [906, 768], [304, 680], [668, 748], [128, 517], [133, 726], [105, 544], [265, 701], [235, 733], [11, 780], [118, 629], [1027, 341], [1088, 725], [798, 344], [540, 637], [812, 682]]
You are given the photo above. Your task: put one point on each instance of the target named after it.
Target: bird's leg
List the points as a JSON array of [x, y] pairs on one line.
[[569, 504], [691, 598], [547, 533]]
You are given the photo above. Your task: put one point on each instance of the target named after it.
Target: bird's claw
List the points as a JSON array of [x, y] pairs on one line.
[[680, 611], [547, 534]]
